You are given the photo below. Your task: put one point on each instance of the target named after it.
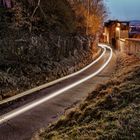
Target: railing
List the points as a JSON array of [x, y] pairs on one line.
[[130, 46]]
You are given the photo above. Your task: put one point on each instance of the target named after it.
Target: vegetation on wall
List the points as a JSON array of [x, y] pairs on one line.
[[42, 15], [37, 36]]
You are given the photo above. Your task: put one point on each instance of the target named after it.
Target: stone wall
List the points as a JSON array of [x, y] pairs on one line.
[[32, 60]]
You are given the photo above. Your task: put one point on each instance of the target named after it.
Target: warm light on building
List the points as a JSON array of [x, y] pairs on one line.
[[117, 28]]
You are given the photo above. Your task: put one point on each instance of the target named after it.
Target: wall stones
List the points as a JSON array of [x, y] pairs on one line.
[[33, 60]]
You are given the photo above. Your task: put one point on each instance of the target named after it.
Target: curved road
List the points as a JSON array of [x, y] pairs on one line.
[[36, 113]]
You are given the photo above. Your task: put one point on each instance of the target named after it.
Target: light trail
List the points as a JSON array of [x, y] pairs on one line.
[[28, 92], [21, 110]]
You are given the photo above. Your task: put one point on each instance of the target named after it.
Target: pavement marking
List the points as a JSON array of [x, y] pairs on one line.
[[20, 110], [53, 82]]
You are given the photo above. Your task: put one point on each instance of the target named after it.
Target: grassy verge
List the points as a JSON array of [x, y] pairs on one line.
[[111, 112]]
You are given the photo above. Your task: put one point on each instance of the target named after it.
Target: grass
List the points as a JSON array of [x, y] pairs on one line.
[[111, 112]]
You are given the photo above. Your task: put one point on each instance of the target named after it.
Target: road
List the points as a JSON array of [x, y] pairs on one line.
[[23, 125]]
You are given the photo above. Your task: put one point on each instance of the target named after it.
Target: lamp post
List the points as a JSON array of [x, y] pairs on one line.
[[118, 30]]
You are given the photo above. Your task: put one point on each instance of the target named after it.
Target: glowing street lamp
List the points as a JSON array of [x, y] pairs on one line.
[[118, 29], [118, 32]]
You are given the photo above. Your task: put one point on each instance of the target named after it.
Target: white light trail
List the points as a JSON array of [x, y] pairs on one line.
[[28, 92], [33, 104]]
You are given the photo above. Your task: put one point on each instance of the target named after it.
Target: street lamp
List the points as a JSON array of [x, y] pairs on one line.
[[118, 32], [118, 29]]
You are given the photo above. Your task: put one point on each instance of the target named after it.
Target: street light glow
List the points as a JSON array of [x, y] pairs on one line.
[[117, 28]]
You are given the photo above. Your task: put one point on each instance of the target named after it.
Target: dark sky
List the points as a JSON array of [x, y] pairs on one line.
[[124, 9]]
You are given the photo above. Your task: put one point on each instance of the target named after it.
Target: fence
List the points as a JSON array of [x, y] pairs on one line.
[[129, 46]]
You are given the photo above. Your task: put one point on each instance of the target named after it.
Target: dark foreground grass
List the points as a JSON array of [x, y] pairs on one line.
[[111, 112]]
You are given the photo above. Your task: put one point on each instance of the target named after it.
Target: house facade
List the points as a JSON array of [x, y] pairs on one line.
[[115, 30]]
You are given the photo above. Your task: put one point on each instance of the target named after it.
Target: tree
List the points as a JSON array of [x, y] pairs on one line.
[[90, 14]]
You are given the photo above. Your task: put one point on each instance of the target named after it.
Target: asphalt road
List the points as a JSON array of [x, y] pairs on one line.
[[26, 124]]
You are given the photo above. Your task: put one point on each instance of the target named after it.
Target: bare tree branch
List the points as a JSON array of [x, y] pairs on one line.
[[38, 5]]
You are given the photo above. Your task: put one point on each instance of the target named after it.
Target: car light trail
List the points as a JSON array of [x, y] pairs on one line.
[[20, 110], [23, 94]]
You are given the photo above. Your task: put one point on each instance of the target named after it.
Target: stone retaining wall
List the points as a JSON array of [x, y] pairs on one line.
[[30, 61]]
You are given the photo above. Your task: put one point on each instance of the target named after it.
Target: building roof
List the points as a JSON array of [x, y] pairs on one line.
[[110, 22]]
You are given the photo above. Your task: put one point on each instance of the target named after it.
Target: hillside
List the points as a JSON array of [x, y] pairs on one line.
[[110, 112], [41, 40]]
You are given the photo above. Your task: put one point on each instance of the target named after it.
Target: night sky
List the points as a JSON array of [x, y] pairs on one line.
[[124, 9]]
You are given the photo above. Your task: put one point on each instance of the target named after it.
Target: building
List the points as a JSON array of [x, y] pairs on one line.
[[114, 30]]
